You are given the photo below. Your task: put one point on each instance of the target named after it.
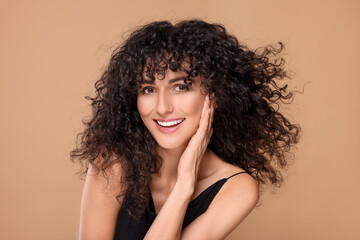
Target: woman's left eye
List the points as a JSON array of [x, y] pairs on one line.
[[182, 87]]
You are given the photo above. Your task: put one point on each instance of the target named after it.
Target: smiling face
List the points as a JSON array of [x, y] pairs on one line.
[[171, 109]]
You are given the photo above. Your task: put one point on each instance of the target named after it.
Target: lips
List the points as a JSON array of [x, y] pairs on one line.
[[169, 123], [173, 124]]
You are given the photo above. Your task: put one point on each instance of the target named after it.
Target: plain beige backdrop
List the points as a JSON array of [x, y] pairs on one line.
[[52, 52]]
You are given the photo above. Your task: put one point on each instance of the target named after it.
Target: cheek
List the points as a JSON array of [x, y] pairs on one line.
[[193, 106], [143, 107]]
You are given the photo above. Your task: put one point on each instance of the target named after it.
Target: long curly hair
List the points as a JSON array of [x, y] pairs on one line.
[[249, 130]]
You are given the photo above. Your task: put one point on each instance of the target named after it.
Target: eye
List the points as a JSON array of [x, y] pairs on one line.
[[147, 90], [182, 87]]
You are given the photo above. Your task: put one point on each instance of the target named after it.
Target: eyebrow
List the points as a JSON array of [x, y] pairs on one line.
[[182, 78], [178, 79]]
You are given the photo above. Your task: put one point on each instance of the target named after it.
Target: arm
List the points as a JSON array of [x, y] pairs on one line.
[[99, 207]]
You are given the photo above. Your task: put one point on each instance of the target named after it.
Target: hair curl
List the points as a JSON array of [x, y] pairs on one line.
[[249, 130]]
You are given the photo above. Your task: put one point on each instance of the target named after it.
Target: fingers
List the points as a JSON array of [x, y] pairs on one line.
[[205, 125], [204, 111], [212, 112], [205, 107], [207, 117]]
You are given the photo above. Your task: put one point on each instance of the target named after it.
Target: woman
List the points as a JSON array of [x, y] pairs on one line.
[[185, 129]]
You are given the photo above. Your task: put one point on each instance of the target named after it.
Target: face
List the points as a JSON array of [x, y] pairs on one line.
[[171, 109]]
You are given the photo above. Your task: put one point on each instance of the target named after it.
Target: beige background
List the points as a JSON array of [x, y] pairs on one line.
[[51, 53]]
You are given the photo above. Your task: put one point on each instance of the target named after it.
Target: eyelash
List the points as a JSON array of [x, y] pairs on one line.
[[186, 87]]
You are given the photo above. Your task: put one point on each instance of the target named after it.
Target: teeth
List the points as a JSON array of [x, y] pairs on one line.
[[170, 123]]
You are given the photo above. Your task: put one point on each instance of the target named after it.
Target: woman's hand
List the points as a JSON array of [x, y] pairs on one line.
[[190, 160]]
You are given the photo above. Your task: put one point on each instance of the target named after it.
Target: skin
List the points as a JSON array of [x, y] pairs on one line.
[[187, 169]]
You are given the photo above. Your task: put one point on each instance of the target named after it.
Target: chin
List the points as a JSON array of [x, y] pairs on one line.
[[167, 142]]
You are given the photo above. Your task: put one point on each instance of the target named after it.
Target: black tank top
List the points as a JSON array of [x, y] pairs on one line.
[[127, 228]]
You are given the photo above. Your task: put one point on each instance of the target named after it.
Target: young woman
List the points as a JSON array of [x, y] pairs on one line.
[[185, 129]]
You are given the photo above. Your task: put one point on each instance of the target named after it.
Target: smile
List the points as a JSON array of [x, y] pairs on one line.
[[169, 126], [169, 123]]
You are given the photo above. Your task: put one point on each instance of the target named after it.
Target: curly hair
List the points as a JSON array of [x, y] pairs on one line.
[[249, 130]]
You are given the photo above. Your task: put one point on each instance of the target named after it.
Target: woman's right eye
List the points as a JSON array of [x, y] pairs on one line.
[[147, 90]]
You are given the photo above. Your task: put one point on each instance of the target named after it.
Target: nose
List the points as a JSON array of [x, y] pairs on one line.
[[164, 104]]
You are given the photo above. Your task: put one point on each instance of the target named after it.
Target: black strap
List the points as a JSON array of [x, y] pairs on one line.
[[235, 174]]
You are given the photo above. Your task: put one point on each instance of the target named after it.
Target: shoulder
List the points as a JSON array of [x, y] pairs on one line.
[[105, 175], [239, 189], [99, 203], [243, 181]]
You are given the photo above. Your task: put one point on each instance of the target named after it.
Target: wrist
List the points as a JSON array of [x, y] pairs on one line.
[[185, 186]]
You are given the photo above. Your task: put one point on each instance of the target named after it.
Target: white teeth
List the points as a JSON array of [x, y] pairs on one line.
[[170, 123]]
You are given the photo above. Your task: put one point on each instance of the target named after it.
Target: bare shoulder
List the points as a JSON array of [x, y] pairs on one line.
[[99, 204], [239, 186], [107, 180]]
